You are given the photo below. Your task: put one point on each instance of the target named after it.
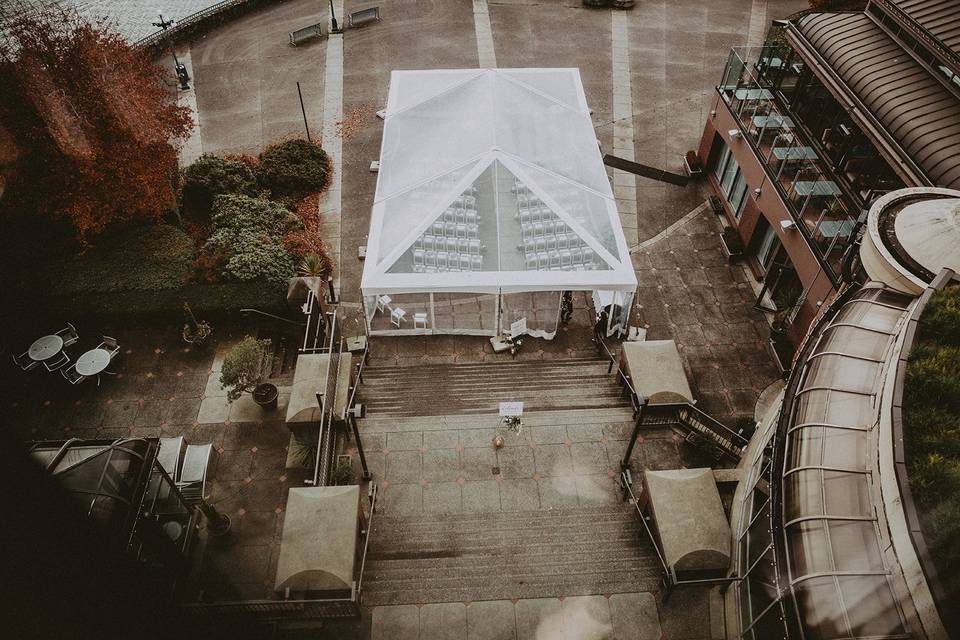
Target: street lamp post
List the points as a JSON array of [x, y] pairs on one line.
[[333, 20], [181, 70]]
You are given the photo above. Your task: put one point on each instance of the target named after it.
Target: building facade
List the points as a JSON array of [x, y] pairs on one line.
[[805, 132]]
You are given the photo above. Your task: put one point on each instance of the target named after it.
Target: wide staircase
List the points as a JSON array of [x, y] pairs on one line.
[[494, 556], [445, 389]]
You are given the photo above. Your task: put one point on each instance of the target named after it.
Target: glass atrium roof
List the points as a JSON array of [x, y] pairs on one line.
[[492, 180]]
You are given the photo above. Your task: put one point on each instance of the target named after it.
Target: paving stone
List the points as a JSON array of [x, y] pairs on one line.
[[440, 465], [586, 617], [595, 489], [547, 434], [404, 466], [515, 462], [481, 496], [442, 497], [539, 619], [553, 460], [443, 439], [478, 463], [403, 498], [558, 492], [399, 441], [400, 622], [589, 457], [491, 620], [634, 616], [445, 621], [519, 495]]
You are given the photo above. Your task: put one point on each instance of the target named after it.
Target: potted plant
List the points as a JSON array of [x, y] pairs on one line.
[[194, 332], [243, 370], [731, 243], [691, 162]]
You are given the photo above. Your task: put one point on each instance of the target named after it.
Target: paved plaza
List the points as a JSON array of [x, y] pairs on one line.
[[649, 76]]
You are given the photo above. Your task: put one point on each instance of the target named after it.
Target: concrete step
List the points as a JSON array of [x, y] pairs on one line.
[[484, 556]]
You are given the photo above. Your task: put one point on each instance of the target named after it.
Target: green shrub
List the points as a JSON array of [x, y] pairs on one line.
[[129, 258], [293, 168], [210, 176], [248, 232]]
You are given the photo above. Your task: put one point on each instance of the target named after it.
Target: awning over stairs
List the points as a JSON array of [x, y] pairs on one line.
[[688, 518], [318, 545], [656, 371], [309, 380]]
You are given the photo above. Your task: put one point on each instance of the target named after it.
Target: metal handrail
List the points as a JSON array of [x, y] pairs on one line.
[[628, 486], [353, 392], [188, 21], [273, 317], [329, 399], [366, 541], [635, 397]]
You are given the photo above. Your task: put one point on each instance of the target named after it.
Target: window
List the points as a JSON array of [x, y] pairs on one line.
[[738, 195], [719, 157], [767, 247], [728, 174]]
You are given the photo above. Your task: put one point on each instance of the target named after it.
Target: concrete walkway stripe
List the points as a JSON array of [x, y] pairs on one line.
[[481, 19], [330, 200], [624, 184], [758, 23], [192, 147]]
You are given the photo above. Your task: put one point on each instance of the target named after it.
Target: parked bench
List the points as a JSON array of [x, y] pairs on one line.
[[362, 17], [313, 31]]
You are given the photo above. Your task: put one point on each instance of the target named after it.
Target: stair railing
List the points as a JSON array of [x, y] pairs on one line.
[[374, 490], [695, 422], [635, 399]]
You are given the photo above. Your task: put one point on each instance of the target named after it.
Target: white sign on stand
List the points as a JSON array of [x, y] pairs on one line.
[[518, 327], [511, 409]]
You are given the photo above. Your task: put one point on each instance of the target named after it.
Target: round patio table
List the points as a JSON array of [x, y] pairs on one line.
[[45, 348], [93, 362]]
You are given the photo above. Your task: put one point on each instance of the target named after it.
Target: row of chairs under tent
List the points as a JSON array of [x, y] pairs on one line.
[[55, 361], [548, 244], [107, 344], [440, 261], [431, 242], [187, 466]]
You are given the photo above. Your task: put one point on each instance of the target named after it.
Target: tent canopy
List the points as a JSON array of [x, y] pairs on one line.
[[318, 547], [656, 371], [491, 180], [689, 519]]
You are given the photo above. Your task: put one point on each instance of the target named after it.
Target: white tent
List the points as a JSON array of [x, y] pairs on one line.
[[491, 183]]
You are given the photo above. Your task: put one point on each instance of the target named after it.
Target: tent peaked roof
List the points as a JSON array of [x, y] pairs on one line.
[[492, 171]]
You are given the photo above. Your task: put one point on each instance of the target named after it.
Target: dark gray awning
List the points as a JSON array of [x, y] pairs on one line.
[[919, 113]]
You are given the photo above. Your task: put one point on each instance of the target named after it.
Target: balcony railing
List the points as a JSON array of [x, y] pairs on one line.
[[815, 195]]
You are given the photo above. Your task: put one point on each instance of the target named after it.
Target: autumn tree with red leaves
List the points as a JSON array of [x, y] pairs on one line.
[[94, 120]]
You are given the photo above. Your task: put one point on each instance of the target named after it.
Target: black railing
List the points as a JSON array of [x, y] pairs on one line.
[[326, 439], [636, 401], [699, 425], [192, 20], [263, 611], [366, 540]]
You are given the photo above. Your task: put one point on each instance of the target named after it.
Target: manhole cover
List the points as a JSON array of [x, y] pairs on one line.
[[495, 471]]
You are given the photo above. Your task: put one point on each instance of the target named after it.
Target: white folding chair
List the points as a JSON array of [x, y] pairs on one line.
[[71, 375], [420, 318], [397, 315], [193, 472], [169, 455], [25, 362], [384, 301], [69, 335]]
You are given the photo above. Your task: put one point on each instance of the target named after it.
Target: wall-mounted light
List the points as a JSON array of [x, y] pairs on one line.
[[713, 114], [757, 191], [788, 225], [734, 133]]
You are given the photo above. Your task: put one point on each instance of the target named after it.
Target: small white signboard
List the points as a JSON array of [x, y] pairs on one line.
[[518, 327], [511, 408]]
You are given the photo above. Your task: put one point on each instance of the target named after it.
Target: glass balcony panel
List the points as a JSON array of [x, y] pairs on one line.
[[805, 447], [847, 494], [844, 448], [855, 546]]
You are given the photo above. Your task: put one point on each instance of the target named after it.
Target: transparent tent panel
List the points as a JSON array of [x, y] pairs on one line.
[[588, 209], [407, 210], [411, 88], [540, 131], [555, 83], [498, 223], [422, 143]]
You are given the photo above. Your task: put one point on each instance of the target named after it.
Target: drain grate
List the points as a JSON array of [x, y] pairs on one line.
[[495, 471]]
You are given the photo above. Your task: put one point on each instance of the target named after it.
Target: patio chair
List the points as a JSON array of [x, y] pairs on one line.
[[420, 318], [383, 302], [71, 375], [57, 361], [109, 345], [169, 457], [24, 361], [397, 315], [69, 335], [476, 263], [193, 472]]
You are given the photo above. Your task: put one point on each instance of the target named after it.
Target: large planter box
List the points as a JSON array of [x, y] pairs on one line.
[[733, 254], [691, 164]]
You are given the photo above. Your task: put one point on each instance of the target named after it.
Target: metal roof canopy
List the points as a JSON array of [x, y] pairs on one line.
[[318, 547], [917, 112], [688, 515], [496, 136], [656, 371]]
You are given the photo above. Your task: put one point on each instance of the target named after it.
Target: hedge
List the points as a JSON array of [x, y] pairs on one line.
[[293, 169]]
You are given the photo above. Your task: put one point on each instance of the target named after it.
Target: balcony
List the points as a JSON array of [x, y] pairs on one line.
[[820, 201]]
